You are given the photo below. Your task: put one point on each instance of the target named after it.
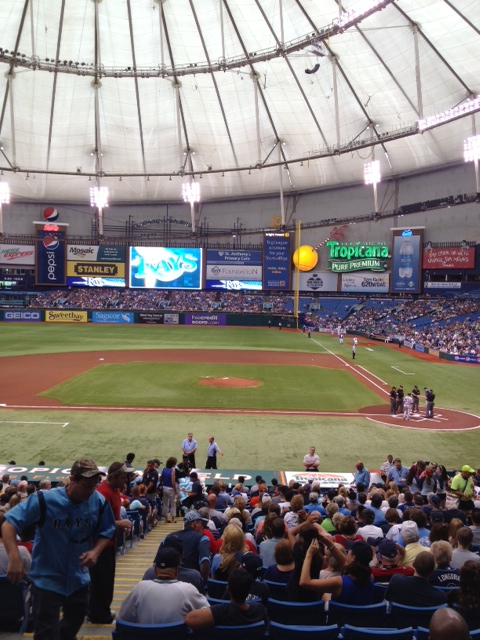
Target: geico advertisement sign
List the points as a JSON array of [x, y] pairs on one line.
[[21, 316], [65, 316]]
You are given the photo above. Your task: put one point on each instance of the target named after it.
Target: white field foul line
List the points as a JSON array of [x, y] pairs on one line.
[[62, 424], [371, 374], [402, 372], [348, 365]]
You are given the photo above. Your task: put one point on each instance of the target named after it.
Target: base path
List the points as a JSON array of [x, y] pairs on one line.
[[22, 378]]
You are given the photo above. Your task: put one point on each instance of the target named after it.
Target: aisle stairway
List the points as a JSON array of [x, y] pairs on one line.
[[130, 569]]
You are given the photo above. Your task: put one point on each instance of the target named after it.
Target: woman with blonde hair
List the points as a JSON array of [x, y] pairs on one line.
[[226, 559], [453, 527]]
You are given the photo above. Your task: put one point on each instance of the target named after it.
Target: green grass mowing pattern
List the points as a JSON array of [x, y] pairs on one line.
[[146, 384], [249, 441], [253, 441], [18, 339]]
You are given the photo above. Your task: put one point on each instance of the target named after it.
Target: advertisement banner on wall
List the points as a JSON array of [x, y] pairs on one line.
[[234, 256], [165, 268], [59, 315], [366, 281], [50, 254], [22, 316], [96, 269], [233, 272], [407, 260], [277, 259], [459, 258], [17, 254], [442, 285], [95, 253], [210, 319], [234, 285], [318, 281], [171, 318], [150, 317], [113, 317], [80, 281]]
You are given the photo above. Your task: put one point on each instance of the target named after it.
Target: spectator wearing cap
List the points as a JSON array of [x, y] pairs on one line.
[[192, 576], [195, 494], [410, 536], [77, 526], [355, 585], [165, 599], [463, 551], [463, 486], [102, 575], [183, 468], [196, 545], [416, 591], [386, 560], [444, 575], [235, 613], [314, 505]]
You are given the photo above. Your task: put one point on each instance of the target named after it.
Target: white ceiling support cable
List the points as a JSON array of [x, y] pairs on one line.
[[11, 77], [176, 86], [160, 19], [280, 181], [333, 59], [32, 30], [418, 75], [282, 30], [254, 77], [222, 29]]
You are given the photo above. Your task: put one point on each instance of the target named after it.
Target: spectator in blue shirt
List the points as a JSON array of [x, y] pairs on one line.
[[362, 475]]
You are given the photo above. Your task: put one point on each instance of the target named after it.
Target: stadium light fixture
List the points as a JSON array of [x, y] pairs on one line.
[[191, 194], [4, 199], [471, 153], [99, 199], [372, 175]]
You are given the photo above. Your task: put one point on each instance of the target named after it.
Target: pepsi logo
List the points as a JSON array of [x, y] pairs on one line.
[[51, 243], [51, 214]]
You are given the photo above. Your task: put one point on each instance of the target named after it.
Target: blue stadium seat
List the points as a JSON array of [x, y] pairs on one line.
[[350, 632], [278, 590], [14, 605], [295, 632], [216, 588], [297, 613], [373, 615], [416, 616], [255, 631], [379, 590], [423, 634], [129, 631]]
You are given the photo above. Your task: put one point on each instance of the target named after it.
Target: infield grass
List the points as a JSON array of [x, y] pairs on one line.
[[249, 441]]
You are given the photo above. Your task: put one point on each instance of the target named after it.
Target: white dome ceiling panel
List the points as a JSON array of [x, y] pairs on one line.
[[100, 77]]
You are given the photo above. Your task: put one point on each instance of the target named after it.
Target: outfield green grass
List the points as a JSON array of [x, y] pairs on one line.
[[250, 441]]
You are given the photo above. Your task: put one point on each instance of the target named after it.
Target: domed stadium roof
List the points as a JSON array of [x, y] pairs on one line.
[[143, 95]]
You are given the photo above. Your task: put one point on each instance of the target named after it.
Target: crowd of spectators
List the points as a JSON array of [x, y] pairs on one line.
[[304, 542], [446, 324]]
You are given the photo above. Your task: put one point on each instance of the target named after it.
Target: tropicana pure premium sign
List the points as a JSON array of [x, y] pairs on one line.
[[358, 256]]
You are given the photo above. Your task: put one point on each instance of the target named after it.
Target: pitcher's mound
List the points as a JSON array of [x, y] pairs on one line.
[[229, 382]]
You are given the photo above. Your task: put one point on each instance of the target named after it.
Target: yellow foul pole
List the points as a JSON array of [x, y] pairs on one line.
[[297, 272]]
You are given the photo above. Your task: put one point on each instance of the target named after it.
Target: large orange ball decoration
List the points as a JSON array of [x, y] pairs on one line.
[[305, 258]]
